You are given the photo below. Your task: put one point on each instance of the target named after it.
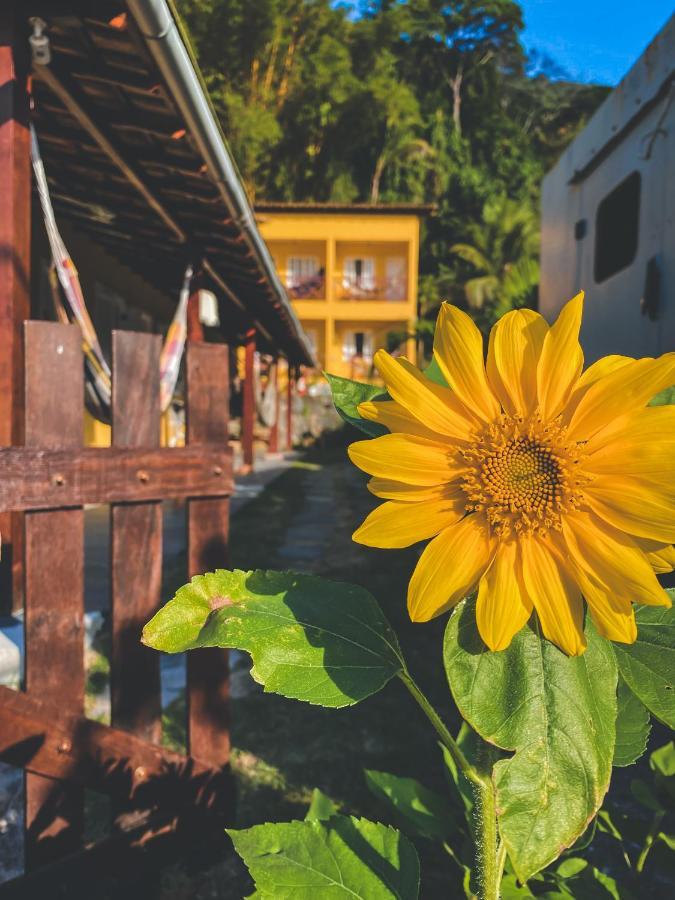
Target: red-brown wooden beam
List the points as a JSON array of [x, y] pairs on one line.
[[208, 404], [44, 740], [136, 542], [195, 329], [54, 572], [289, 409], [274, 430], [15, 188], [248, 401], [49, 479], [15, 207]]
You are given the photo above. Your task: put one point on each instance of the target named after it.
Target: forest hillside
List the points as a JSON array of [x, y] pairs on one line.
[[420, 101]]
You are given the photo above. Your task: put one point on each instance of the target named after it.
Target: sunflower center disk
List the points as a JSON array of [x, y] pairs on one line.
[[522, 476]]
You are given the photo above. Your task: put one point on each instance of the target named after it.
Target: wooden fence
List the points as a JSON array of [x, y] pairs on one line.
[[161, 801]]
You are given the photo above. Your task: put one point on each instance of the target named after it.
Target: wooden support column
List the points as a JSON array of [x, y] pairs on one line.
[[195, 329], [274, 430], [54, 570], [135, 540], [208, 405], [289, 409], [15, 208], [248, 406]]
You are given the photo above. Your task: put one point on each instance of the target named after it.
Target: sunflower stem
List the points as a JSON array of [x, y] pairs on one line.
[[463, 764], [490, 860]]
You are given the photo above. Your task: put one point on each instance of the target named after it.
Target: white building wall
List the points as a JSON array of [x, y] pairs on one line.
[[634, 130]]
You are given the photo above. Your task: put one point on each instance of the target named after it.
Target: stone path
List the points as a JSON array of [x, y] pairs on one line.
[[303, 549]]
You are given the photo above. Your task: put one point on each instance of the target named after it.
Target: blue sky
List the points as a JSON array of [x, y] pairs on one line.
[[593, 40]]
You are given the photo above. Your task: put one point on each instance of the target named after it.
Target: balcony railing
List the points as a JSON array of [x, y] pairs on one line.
[[311, 288], [365, 287]]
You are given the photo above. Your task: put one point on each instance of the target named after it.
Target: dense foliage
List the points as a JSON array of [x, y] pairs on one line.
[[424, 101]]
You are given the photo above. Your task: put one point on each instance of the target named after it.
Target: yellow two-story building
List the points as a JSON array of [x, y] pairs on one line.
[[351, 271]]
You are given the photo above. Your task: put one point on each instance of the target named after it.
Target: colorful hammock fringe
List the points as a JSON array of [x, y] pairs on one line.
[[64, 274]]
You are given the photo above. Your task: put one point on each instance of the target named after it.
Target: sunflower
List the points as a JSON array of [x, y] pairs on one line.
[[540, 484]]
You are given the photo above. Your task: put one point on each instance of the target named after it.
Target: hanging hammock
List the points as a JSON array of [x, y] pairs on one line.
[[98, 380]]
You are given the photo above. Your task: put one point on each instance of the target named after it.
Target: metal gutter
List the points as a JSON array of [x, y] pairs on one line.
[[158, 27]]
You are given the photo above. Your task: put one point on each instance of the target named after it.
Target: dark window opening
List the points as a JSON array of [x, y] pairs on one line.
[[616, 228], [358, 341]]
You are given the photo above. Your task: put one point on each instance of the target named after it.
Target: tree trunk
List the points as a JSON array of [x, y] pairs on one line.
[[456, 85], [377, 177]]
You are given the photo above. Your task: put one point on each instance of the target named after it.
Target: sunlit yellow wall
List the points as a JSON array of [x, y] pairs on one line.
[[332, 237], [96, 434]]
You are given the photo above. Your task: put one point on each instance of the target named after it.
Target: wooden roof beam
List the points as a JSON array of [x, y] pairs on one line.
[[67, 94]]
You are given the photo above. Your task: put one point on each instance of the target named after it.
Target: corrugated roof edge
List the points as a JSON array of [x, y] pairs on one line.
[[159, 23]]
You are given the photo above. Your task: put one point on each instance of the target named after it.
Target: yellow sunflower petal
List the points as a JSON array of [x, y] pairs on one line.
[[433, 405], [640, 443], [516, 343], [613, 558], [613, 616], [555, 595], [410, 493], [400, 524], [628, 388], [663, 560], [561, 360], [502, 607], [634, 505], [593, 373], [449, 568], [406, 458], [395, 417], [458, 348]]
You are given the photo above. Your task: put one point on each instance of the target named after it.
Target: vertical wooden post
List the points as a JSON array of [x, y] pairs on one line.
[[54, 568], [195, 329], [15, 209], [135, 541], [248, 410], [208, 404], [289, 409], [274, 430]]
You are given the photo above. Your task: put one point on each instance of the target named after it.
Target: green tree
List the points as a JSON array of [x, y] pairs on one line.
[[501, 251]]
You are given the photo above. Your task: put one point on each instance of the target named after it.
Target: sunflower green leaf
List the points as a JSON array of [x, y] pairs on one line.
[[418, 810], [311, 639], [347, 395], [648, 665], [344, 857], [556, 712], [632, 727]]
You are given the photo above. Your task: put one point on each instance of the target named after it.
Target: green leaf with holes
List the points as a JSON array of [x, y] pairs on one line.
[[341, 858], [632, 727], [347, 395], [648, 665], [558, 716], [311, 639]]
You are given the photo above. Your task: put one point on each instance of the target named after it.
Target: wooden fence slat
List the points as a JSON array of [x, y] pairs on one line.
[[39, 737], [54, 566], [248, 402], [15, 261], [208, 525], [47, 479], [136, 541]]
